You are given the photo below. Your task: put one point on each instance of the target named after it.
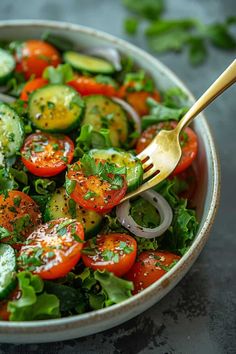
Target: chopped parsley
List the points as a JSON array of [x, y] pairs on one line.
[[93, 168], [90, 195], [124, 247], [109, 255]]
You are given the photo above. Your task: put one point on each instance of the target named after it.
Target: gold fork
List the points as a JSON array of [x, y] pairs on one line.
[[164, 152]]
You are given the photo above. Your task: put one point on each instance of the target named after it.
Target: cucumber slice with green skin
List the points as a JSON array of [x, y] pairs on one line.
[[7, 65], [88, 63], [55, 108], [7, 267], [133, 165], [11, 131], [59, 207], [102, 112]]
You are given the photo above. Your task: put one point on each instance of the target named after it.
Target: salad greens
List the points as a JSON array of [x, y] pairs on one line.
[[66, 167]]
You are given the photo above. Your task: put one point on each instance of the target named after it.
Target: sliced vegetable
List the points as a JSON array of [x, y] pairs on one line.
[[96, 185], [11, 131], [46, 155], [8, 267], [7, 65], [31, 86], [52, 249], [130, 110], [34, 56], [149, 267], [165, 211], [86, 86], [115, 253], [55, 108], [19, 215], [134, 170], [110, 54], [88, 63], [188, 140], [61, 206], [136, 90], [102, 112]]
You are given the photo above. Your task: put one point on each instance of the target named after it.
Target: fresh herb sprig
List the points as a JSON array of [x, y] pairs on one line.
[[164, 35], [91, 167]]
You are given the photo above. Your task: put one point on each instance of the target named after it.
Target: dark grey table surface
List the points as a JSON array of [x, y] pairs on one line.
[[199, 315]]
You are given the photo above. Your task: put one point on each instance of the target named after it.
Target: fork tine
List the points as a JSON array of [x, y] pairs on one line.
[[147, 185], [149, 173], [147, 165], [142, 156]]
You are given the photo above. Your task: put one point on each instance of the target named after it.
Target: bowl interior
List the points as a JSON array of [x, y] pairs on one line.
[[206, 196]]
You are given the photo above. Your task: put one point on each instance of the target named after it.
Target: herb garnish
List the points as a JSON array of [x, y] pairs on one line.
[[165, 35], [91, 167]]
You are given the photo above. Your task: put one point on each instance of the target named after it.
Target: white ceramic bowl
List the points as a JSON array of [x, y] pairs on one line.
[[207, 196]]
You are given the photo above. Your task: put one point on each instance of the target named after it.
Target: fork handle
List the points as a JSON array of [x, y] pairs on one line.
[[225, 80]]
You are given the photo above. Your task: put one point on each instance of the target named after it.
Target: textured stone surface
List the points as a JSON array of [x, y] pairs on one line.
[[198, 316]]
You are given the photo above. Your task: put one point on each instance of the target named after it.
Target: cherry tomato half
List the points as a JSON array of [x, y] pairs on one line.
[[188, 140], [35, 56], [149, 267], [113, 252], [19, 214], [138, 99], [46, 155], [92, 192], [31, 86], [89, 86], [52, 249]]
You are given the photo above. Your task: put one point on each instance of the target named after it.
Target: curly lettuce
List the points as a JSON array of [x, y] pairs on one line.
[[33, 304]]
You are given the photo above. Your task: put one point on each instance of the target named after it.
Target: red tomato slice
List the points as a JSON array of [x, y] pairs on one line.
[[92, 192], [35, 56], [89, 86], [19, 214], [113, 252], [4, 314], [53, 249], [46, 155], [31, 86], [138, 99], [149, 267], [188, 139]]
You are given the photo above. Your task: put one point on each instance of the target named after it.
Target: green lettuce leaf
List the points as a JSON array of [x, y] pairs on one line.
[[159, 113], [144, 213], [32, 304], [184, 226], [117, 289], [91, 139], [69, 297]]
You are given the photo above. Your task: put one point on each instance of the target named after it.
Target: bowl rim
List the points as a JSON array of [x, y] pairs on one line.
[[202, 235]]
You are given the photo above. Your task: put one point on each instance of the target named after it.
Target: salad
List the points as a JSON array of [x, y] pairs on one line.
[[69, 145]]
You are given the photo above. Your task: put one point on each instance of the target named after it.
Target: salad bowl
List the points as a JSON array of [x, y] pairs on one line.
[[207, 196]]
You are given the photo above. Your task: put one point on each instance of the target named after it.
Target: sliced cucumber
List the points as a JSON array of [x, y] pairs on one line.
[[88, 63], [123, 158], [59, 207], [7, 267], [11, 131], [55, 108], [7, 65], [102, 112]]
